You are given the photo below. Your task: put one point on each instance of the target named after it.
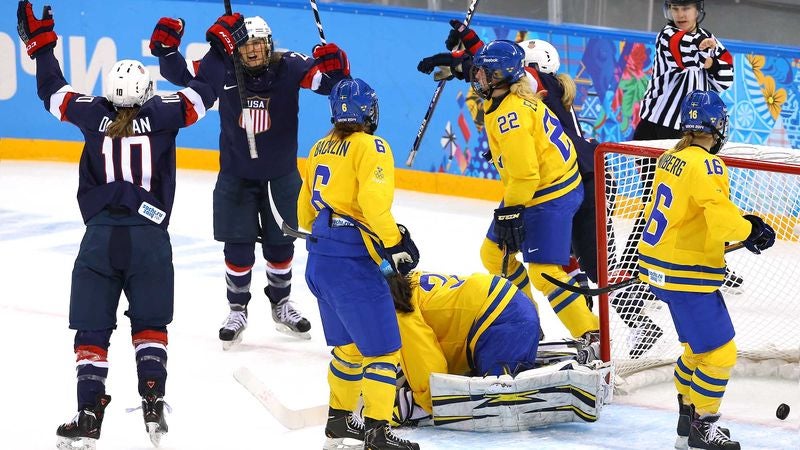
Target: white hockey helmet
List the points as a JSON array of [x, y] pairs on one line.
[[258, 28], [129, 84], [541, 53]]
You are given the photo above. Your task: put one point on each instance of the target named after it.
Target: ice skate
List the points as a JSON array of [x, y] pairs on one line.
[[231, 332], [344, 430], [154, 418], [589, 347], [379, 436], [705, 434], [685, 424], [83, 431], [289, 321]]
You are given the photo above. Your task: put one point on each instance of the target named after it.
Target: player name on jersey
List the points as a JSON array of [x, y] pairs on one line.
[[671, 164], [336, 148]]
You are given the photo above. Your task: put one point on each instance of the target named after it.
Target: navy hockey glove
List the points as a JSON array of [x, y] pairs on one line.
[[452, 61], [509, 225], [227, 33], [166, 36], [38, 35], [331, 60], [404, 256], [463, 34], [761, 237]]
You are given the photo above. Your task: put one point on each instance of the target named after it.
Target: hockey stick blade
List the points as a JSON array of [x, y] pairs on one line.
[[285, 228], [293, 419], [615, 286]]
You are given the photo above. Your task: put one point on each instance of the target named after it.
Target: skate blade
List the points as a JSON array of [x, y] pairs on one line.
[[227, 345], [283, 328], [155, 433], [343, 444], [65, 443], [682, 443]]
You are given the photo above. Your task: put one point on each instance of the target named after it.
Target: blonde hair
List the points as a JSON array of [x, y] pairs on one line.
[[688, 139], [568, 84], [122, 126], [522, 88], [341, 131]]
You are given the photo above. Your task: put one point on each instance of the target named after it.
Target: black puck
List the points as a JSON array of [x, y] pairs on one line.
[[782, 412]]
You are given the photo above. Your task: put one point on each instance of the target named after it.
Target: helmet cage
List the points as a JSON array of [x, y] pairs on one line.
[[258, 29]]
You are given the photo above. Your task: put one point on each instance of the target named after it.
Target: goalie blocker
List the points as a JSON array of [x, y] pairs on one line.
[[561, 392]]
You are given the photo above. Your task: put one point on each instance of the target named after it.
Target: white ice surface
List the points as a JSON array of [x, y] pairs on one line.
[[41, 228]]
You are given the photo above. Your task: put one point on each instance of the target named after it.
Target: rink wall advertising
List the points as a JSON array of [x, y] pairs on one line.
[[384, 44]]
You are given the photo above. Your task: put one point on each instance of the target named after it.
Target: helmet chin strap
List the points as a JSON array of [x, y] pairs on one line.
[[720, 139]]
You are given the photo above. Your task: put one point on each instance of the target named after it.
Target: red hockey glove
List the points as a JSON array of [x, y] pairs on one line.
[[227, 33], [329, 58], [38, 35], [166, 36], [463, 34]]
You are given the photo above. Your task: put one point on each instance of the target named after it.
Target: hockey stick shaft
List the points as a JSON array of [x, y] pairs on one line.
[[246, 117], [285, 228], [506, 255], [318, 21], [613, 287], [435, 100], [293, 419]]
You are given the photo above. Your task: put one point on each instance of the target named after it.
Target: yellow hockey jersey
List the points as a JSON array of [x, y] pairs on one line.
[[689, 218], [353, 177], [536, 160], [450, 314]]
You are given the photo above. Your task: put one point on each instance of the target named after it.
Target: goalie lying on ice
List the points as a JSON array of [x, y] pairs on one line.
[[469, 352]]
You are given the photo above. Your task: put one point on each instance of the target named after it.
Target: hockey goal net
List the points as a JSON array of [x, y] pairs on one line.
[[761, 291]]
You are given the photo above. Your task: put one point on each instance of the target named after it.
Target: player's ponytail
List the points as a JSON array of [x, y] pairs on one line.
[[122, 126], [687, 139], [569, 87], [401, 289]]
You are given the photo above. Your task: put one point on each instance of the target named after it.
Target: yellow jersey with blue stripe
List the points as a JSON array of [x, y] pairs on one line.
[[450, 315], [689, 219], [536, 160], [353, 177]]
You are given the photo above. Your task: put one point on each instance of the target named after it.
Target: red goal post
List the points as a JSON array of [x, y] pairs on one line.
[[636, 329]]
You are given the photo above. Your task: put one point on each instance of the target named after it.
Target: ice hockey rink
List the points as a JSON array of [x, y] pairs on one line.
[[39, 238]]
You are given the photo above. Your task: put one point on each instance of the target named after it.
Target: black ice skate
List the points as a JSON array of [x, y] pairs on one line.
[[379, 436], [344, 430], [154, 418], [685, 424], [288, 320], [231, 332], [83, 431], [705, 434]]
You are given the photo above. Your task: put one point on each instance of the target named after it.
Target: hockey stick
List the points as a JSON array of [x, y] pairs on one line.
[[293, 419], [436, 94], [615, 286], [319, 22], [506, 255], [285, 228], [246, 117]]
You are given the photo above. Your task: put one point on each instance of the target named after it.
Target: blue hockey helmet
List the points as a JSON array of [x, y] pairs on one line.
[[353, 101], [501, 62], [705, 112]]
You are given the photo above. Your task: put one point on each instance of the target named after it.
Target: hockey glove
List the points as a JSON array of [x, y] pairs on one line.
[[227, 33], [463, 34], [761, 237], [330, 59], [38, 35], [404, 256], [452, 61], [406, 411], [166, 36], [509, 224]]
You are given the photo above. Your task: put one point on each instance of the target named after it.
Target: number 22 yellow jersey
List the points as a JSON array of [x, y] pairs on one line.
[[689, 219], [536, 160]]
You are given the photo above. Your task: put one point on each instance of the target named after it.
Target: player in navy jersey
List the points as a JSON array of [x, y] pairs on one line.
[[125, 194], [242, 216]]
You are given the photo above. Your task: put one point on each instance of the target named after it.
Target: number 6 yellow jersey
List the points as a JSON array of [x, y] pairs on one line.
[[535, 158], [689, 218]]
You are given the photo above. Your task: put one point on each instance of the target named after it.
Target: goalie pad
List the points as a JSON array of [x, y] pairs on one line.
[[562, 392]]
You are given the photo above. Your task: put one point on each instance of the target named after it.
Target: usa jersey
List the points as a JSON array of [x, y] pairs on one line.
[[134, 174], [689, 219], [354, 178], [536, 160], [450, 315], [273, 99]]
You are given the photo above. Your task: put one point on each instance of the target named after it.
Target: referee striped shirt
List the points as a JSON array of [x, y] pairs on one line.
[[678, 68]]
